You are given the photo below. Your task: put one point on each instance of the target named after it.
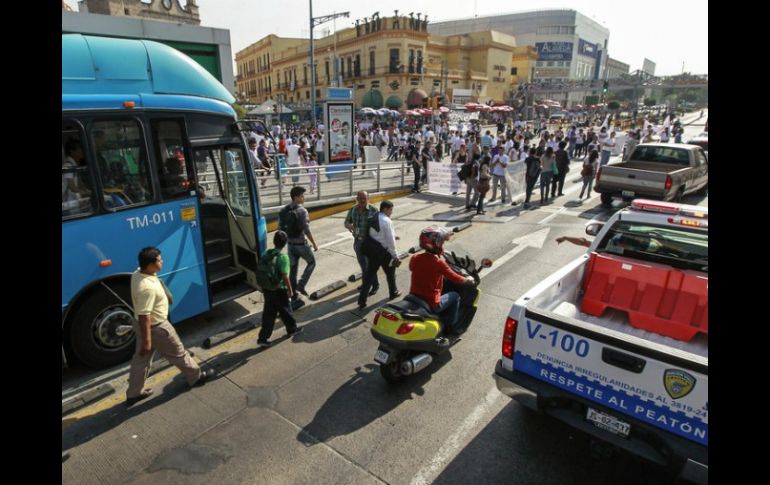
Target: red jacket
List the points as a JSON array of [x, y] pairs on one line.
[[428, 272]]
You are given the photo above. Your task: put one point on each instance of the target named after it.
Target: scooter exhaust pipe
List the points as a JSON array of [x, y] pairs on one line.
[[415, 364]]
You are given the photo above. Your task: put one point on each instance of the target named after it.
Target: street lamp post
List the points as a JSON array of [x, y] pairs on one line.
[[313, 22]]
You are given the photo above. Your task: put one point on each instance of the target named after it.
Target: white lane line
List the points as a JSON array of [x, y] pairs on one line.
[[336, 241], [453, 443], [533, 240], [548, 218]]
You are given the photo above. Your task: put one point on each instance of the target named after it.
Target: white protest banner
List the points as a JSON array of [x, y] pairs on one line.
[[442, 177], [515, 178]]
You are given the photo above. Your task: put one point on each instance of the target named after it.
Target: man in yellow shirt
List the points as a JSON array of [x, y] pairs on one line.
[[153, 331]]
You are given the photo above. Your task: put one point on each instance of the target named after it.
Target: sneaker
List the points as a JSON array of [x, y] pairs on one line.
[[361, 305], [205, 376], [264, 343], [373, 291], [296, 331], [302, 290], [394, 295]]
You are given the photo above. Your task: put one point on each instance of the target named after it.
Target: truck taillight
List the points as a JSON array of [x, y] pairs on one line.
[[669, 182], [509, 337]]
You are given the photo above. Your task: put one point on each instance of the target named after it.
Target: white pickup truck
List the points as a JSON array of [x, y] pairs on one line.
[[615, 343]]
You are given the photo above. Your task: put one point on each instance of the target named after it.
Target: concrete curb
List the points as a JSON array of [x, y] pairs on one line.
[[218, 338], [85, 398], [327, 289]]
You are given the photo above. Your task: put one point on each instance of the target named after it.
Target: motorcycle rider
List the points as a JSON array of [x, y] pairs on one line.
[[428, 273]]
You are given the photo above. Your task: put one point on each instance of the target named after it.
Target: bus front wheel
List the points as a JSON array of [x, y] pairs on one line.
[[94, 335]]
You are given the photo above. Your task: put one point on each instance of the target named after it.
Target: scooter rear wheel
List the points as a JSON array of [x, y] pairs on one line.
[[391, 372]]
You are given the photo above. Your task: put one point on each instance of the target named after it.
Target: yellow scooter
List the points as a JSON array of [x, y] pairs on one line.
[[410, 334]]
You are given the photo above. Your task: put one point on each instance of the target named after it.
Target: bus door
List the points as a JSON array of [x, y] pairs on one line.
[[228, 219]]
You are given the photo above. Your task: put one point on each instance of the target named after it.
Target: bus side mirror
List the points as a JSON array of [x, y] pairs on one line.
[[593, 228]]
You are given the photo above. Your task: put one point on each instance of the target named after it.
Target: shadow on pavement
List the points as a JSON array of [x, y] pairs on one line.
[[540, 450], [364, 398]]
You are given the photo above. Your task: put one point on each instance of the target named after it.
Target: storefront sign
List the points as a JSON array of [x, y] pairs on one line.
[[554, 51], [586, 48]]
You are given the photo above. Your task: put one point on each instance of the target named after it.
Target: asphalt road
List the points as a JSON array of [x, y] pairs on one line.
[[316, 409]]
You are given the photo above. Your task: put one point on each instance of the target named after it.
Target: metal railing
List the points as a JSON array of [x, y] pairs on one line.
[[334, 183]]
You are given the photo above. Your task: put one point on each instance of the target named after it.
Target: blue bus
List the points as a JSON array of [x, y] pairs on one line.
[[152, 155]]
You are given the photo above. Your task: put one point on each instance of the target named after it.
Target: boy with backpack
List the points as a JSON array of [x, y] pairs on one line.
[[273, 278]]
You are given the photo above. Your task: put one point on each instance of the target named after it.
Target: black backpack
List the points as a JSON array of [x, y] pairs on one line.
[[465, 171], [268, 274], [288, 221]]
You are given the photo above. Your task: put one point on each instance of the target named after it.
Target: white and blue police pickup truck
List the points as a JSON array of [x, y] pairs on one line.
[[615, 343]]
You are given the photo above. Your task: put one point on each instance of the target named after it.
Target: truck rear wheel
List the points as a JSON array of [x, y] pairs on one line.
[[93, 334], [607, 199]]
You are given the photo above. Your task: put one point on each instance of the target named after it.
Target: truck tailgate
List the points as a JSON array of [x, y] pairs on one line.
[[633, 179], [665, 387]]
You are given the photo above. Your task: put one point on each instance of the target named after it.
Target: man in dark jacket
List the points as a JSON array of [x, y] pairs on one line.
[[562, 164]]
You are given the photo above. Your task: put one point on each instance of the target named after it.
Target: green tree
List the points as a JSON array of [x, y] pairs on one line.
[[613, 105], [650, 102], [240, 111]]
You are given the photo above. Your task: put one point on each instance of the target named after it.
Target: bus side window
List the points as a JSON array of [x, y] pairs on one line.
[[175, 173], [76, 188], [119, 147]]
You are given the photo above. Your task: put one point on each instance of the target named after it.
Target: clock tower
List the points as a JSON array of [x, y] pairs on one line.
[[164, 10]]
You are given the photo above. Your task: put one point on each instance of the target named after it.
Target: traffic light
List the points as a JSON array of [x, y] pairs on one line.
[[606, 86]]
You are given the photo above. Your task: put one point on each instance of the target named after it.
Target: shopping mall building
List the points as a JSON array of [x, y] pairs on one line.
[[570, 46]]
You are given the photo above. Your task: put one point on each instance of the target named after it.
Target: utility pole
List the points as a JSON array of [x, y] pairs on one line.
[[314, 21]]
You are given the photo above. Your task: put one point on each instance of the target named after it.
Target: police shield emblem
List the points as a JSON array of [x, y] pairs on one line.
[[678, 383]]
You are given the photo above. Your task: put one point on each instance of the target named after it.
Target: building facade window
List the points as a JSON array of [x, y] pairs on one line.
[[328, 79], [394, 64], [304, 74], [419, 62], [371, 63], [411, 61], [357, 66]]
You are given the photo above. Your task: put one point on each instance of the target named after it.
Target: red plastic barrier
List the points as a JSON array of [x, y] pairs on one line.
[[657, 298]]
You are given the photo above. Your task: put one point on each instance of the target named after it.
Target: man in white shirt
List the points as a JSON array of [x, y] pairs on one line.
[[499, 164], [380, 251], [319, 148], [292, 160], [456, 142], [607, 146]]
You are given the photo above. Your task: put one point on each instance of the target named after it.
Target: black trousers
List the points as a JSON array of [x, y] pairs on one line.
[[372, 265], [417, 170], [558, 180], [276, 303]]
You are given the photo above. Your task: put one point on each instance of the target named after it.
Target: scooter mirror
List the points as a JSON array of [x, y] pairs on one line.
[[486, 263]]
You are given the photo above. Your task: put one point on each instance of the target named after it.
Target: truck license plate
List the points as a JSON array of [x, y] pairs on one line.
[[628, 193], [381, 356], [608, 423]]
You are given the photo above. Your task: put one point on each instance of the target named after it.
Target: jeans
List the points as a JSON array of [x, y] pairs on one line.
[[363, 262], [448, 309], [531, 181], [605, 157], [276, 303], [503, 187], [297, 251], [480, 207], [470, 186], [571, 149], [294, 174], [545, 184], [588, 181]]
